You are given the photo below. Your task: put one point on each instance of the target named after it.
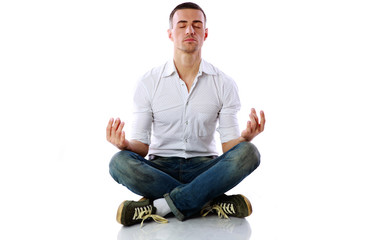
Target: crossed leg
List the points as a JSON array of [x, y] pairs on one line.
[[223, 173]]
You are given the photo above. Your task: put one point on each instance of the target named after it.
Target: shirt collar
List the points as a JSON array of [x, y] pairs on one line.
[[169, 69], [205, 67]]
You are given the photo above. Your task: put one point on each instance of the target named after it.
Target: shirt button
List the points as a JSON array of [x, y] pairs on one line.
[[187, 122], [185, 140]]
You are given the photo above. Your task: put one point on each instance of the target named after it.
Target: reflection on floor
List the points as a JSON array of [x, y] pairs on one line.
[[210, 227]]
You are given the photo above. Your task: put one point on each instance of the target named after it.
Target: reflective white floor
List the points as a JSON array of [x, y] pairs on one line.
[[77, 199], [210, 227]]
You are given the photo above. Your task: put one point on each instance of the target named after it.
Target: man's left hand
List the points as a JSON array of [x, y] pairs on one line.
[[254, 126]]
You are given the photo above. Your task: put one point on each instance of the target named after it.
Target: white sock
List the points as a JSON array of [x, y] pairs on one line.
[[162, 207]]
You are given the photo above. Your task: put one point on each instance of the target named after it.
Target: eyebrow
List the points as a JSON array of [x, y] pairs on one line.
[[184, 21]]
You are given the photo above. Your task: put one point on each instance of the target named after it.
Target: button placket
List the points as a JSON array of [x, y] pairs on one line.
[[186, 124]]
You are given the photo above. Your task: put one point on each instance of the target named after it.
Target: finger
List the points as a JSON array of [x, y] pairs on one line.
[[263, 121], [122, 138], [118, 133], [253, 110], [249, 127], [120, 128], [114, 135], [108, 128], [253, 122], [254, 114], [115, 127]]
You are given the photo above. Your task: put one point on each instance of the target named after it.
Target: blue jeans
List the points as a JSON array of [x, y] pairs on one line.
[[186, 184]]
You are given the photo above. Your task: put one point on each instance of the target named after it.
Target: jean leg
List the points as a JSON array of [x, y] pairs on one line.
[[140, 175], [231, 168]]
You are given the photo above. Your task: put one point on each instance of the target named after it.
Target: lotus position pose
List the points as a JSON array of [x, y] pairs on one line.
[[178, 107]]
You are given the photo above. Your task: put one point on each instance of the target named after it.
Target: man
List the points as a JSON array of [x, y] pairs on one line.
[[176, 110]]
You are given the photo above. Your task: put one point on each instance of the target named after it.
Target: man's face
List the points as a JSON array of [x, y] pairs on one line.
[[188, 33]]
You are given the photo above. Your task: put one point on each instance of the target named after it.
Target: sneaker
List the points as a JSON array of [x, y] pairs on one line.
[[134, 212], [225, 206]]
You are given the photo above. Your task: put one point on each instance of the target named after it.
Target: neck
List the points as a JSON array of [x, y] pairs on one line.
[[187, 65]]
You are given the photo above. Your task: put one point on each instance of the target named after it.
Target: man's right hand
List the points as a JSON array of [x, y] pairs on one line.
[[115, 134]]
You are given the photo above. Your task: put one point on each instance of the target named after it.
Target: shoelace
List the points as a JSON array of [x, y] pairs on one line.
[[145, 213], [222, 210]]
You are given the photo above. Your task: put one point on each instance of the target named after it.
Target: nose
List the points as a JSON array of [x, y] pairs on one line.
[[190, 30]]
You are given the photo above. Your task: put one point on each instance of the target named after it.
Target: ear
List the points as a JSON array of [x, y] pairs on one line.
[[206, 34], [170, 34]]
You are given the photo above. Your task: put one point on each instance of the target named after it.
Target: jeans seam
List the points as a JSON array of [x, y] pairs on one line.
[[173, 208]]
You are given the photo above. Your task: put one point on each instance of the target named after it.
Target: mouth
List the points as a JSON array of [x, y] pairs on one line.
[[189, 40]]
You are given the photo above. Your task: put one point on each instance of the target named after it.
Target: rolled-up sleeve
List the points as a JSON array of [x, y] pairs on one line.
[[142, 115], [228, 120]]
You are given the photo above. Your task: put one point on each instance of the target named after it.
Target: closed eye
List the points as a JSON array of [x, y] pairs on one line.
[[182, 24]]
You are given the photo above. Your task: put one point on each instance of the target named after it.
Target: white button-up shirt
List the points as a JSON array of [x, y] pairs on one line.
[[176, 122]]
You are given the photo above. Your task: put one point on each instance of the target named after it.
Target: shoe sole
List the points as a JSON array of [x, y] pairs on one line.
[[249, 205], [120, 212]]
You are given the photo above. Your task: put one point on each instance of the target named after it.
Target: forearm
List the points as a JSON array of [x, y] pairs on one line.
[[232, 143], [138, 147]]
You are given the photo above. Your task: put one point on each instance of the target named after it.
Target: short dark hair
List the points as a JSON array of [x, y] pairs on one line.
[[185, 5]]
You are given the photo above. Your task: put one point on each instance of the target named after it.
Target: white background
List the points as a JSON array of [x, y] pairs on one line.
[[66, 67]]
